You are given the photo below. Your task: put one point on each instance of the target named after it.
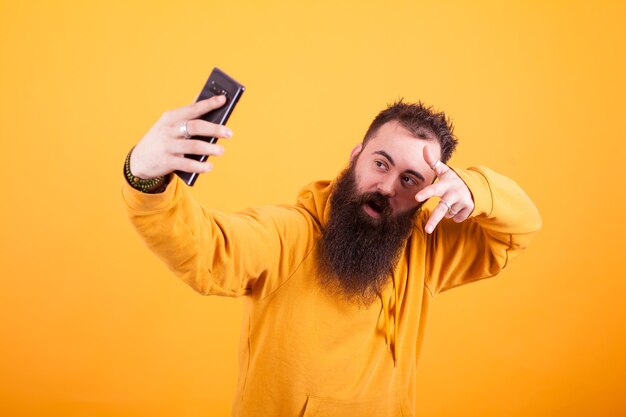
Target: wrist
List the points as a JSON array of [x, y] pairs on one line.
[[150, 186]]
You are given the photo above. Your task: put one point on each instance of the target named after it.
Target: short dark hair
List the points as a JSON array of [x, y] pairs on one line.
[[422, 121]]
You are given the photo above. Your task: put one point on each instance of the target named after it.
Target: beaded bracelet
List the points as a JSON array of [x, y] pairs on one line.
[[152, 185]]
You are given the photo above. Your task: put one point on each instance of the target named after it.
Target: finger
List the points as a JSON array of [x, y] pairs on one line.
[[194, 147], [199, 127], [462, 215], [195, 110], [190, 165], [437, 189], [451, 212], [202, 107], [433, 162], [435, 217]]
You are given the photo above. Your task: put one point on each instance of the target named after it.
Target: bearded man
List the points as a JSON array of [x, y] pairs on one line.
[[336, 287]]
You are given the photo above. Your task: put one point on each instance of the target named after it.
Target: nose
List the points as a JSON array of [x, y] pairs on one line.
[[386, 187]]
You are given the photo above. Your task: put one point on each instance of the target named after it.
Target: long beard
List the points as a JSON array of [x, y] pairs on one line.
[[358, 253]]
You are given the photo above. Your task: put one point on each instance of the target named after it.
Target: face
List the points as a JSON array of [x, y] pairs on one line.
[[372, 213], [357, 251], [392, 164]]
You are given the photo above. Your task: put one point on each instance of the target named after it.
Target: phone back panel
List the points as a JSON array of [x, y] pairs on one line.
[[219, 83]]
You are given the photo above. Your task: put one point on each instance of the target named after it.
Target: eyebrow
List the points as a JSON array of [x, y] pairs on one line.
[[408, 171]]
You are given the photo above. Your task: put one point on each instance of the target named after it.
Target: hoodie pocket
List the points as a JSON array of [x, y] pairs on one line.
[[388, 406]]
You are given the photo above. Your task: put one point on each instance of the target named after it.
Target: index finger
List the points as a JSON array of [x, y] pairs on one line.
[[434, 163], [199, 108]]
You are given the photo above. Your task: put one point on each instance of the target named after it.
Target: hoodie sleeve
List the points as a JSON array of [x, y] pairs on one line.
[[217, 253], [502, 224]]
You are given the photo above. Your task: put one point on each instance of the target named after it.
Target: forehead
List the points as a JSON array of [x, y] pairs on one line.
[[394, 137]]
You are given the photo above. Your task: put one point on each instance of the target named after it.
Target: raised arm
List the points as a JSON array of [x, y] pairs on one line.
[[482, 221]]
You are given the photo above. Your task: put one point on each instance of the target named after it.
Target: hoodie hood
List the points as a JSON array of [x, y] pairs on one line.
[[315, 199]]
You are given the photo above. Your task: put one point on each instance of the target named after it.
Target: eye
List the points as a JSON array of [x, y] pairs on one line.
[[380, 164], [409, 181]]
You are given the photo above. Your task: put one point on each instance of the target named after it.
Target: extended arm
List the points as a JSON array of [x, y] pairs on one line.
[[215, 253], [218, 253]]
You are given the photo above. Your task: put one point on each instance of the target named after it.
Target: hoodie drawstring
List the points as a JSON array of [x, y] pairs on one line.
[[392, 342], [396, 318]]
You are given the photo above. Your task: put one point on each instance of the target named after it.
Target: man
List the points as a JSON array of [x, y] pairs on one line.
[[337, 286]]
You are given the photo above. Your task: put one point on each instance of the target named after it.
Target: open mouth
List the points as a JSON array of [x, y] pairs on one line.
[[375, 208]]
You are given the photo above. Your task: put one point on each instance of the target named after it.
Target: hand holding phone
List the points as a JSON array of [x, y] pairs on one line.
[[164, 149], [219, 83]]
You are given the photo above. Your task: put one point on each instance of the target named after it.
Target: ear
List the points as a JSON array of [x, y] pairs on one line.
[[355, 151]]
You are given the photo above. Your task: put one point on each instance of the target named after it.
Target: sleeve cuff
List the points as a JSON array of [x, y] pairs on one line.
[[144, 202]]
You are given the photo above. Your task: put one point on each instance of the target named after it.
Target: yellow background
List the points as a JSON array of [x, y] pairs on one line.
[[92, 324]]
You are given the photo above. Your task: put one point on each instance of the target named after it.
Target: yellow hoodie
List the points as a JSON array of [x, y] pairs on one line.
[[304, 352]]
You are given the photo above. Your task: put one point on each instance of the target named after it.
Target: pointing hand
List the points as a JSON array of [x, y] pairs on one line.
[[455, 199]]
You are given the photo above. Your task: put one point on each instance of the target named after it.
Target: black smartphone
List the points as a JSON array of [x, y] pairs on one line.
[[219, 83]]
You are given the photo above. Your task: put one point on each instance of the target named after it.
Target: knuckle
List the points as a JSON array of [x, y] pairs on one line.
[[197, 107], [169, 163], [451, 197], [192, 127], [203, 106], [166, 115], [168, 147], [217, 149], [190, 165], [192, 109], [202, 166], [197, 147]]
